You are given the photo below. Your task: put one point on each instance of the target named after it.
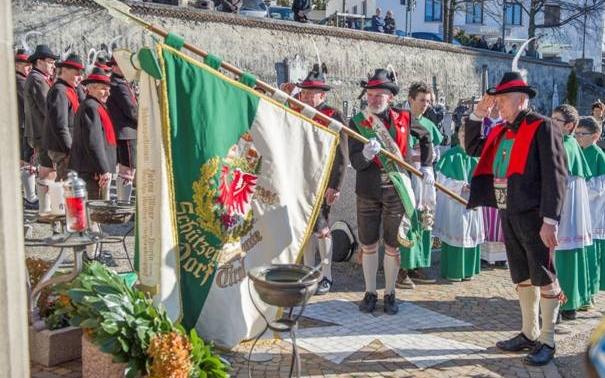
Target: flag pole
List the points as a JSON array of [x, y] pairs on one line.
[[122, 10]]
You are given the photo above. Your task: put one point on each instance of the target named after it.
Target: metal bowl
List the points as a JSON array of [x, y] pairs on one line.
[[278, 285]]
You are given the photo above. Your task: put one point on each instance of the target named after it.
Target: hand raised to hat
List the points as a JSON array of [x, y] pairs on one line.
[[485, 106]]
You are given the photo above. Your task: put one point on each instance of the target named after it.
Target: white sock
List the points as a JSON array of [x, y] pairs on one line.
[[370, 268], [325, 252], [28, 180], [309, 252], [529, 300], [391, 268], [550, 310], [124, 189], [43, 196]]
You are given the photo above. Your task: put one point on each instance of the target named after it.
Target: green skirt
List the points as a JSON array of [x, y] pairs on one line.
[[594, 270], [459, 262], [572, 272], [599, 245], [419, 256]]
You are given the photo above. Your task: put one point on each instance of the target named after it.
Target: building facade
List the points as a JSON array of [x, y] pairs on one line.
[[580, 38]]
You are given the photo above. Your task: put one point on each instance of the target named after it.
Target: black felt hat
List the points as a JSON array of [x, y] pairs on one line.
[[97, 75], [72, 61], [42, 52], [316, 79], [513, 82], [382, 79]]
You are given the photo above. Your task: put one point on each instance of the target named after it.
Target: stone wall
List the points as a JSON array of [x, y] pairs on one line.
[[257, 44]]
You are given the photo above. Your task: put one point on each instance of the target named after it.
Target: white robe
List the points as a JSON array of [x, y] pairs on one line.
[[575, 228], [454, 224], [596, 197]]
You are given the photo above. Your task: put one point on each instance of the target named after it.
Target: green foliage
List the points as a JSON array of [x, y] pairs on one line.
[[122, 321], [205, 362], [572, 89]]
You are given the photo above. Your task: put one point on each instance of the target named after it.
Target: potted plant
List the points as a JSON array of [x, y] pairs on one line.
[[122, 322]]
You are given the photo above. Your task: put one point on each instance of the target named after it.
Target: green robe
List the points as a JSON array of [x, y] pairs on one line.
[[419, 256], [596, 161], [458, 263], [573, 266]]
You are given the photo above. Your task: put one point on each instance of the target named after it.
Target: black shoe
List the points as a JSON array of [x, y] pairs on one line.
[[390, 304], [30, 205], [540, 355], [404, 281], [568, 314], [324, 286], [368, 304], [420, 276], [516, 344]]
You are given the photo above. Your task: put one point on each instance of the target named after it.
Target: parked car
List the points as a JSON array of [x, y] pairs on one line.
[[253, 8], [281, 13], [432, 37]]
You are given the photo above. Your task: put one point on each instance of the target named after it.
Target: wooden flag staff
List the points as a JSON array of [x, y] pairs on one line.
[[122, 11]]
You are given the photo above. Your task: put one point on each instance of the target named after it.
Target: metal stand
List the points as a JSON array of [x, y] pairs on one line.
[[288, 324], [77, 242]]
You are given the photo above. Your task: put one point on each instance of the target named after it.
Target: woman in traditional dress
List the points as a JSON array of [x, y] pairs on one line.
[[460, 230], [575, 230]]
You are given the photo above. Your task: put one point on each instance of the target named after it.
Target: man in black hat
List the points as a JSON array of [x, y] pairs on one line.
[[123, 109], [93, 151], [522, 171], [28, 170], [313, 93], [61, 106], [384, 193], [36, 89]]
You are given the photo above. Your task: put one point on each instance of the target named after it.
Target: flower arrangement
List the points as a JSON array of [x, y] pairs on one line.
[[49, 302], [124, 322]]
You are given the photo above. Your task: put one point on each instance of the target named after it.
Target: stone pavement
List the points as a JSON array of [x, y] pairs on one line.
[[443, 329]]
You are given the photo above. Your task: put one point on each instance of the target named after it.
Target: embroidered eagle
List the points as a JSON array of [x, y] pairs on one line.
[[236, 193]]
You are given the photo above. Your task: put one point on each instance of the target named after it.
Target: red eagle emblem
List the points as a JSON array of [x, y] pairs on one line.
[[235, 194]]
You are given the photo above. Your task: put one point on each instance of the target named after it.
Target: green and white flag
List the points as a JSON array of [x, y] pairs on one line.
[[238, 181]]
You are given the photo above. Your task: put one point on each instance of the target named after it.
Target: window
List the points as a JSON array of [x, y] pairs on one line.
[[364, 7], [355, 9], [552, 15], [432, 10], [474, 12], [514, 13]]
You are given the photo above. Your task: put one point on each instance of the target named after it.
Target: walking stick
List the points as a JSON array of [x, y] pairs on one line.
[[122, 11]]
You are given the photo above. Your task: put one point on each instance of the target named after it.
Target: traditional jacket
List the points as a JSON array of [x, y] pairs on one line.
[[338, 167], [122, 107], [61, 106], [368, 180], [537, 172], [21, 101], [94, 142], [36, 88]]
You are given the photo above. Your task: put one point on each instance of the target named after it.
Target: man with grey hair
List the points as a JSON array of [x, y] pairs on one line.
[[523, 172]]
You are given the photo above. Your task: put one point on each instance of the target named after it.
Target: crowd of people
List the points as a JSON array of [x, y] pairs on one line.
[[535, 183], [73, 117]]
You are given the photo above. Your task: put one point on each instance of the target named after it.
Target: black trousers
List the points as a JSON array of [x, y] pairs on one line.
[[528, 257]]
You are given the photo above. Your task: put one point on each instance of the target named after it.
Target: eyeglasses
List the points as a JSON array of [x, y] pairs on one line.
[[559, 120], [579, 133]]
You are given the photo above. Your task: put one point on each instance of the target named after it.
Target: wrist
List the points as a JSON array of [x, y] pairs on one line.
[[550, 221]]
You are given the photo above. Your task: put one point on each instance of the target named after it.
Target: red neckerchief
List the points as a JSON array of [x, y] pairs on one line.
[[326, 110], [72, 96], [110, 135], [519, 153], [21, 74]]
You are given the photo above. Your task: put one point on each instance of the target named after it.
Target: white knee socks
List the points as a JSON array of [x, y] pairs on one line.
[[549, 306], [529, 299], [370, 267], [124, 189], [325, 253], [28, 180], [391, 268]]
